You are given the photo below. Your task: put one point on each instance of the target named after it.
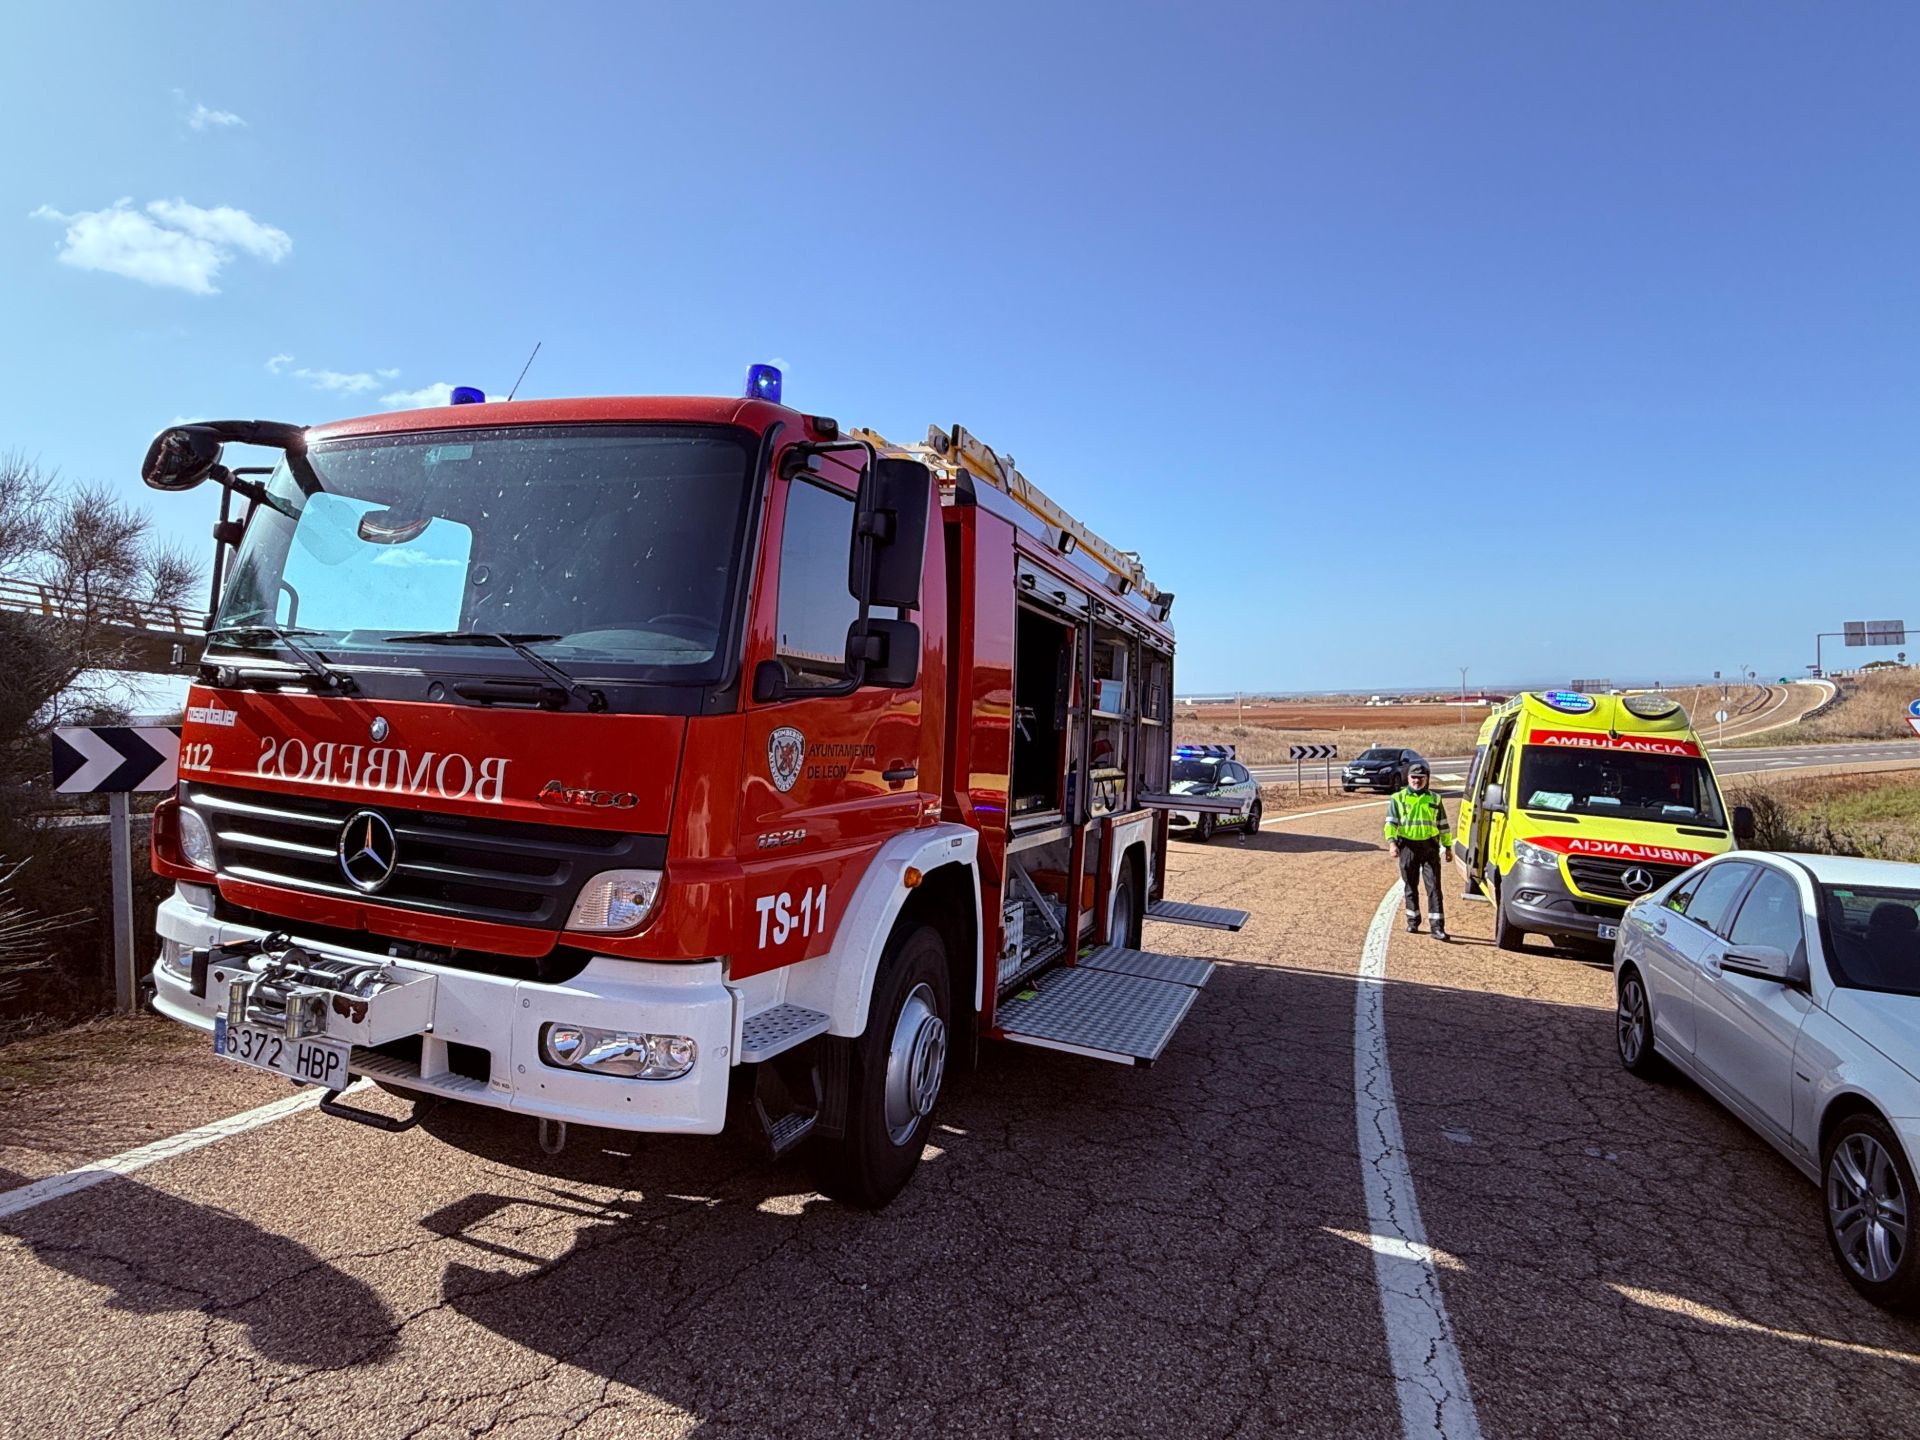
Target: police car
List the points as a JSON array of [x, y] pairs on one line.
[[1211, 770]]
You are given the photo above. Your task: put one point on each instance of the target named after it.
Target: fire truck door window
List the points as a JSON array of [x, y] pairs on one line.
[[1043, 656], [334, 580], [815, 608]]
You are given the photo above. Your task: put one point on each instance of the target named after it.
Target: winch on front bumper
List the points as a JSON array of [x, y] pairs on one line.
[[456, 1034]]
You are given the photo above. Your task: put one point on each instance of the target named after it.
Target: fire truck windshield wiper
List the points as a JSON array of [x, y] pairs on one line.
[[315, 664], [521, 644]]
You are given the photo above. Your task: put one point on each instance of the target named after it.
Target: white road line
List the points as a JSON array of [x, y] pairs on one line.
[[1427, 1373], [12, 1202]]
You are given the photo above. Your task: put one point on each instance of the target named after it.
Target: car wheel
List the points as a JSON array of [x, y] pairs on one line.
[[1506, 935], [1203, 832], [1633, 1029], [893, 1078], [1870, 1197], [1253, 819]]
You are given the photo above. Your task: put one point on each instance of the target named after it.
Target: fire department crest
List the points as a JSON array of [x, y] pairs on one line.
[[786, 752]]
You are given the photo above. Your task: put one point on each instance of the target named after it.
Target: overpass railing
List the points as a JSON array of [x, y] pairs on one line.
[[36, 598]]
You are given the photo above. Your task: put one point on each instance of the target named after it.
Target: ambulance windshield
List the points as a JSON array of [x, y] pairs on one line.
[[608, 549], [1621, 785]]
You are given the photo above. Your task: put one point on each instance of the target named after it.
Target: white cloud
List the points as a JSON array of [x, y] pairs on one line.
[[277, 363], [201, 118], [170, 243], [438, 393], [357, 383]]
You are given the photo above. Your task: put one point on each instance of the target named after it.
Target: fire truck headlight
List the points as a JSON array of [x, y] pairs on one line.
[[616, 900], [625, 1053], [196, 841]]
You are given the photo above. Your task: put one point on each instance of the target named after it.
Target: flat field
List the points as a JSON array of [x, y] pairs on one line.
[[1876, 815]]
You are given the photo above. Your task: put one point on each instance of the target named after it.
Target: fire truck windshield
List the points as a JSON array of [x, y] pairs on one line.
[[622, 544]]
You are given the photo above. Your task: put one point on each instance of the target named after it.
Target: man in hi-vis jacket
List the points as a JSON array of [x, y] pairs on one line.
[[1421, 838]]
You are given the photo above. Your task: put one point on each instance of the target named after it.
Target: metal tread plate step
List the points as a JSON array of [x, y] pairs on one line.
[[1207, 917], [779, 1028], [1099, 1013], [1181, 969], [375, 1066]]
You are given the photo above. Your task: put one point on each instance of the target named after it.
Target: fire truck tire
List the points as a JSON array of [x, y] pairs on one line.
[[893, 1076], [1123, 918]]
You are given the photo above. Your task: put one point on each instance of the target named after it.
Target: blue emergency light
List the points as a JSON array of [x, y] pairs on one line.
[[763, 383], [468, 395], [1204, 752]]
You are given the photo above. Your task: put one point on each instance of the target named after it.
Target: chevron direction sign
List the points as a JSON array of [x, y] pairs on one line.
[[1313, 752], [96, 759]]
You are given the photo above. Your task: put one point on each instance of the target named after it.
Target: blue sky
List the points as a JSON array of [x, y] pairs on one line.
[[1554, 340]]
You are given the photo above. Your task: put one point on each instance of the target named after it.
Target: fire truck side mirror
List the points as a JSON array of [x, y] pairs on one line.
[[890, 650], [892, 517], [180, 458]]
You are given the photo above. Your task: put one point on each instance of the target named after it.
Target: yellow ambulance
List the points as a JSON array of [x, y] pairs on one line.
[[1576, 805]]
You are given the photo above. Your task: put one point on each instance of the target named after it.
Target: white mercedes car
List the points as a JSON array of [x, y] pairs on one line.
[[1788, 987]]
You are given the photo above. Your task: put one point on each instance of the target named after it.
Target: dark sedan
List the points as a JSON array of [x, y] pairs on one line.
[[1379, 769]]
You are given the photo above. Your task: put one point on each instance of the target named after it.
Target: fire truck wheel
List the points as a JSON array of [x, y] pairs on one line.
[[893, 1077], [1123, 918]]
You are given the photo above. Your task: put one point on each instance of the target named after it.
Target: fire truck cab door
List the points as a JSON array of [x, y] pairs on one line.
[[827, 779]]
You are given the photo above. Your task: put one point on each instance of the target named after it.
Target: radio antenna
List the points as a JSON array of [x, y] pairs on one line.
[[523, 370]]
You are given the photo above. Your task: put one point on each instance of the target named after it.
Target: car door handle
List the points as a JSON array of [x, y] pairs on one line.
[[899, 773]]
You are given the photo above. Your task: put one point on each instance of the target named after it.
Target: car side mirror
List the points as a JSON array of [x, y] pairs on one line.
[[180, 458], [1494, 802], [890, 533], [1767, 962], [1743, 827], [890, 650]]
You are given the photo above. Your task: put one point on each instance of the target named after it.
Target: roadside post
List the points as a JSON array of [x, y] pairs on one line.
[[1720, 719], [117, 761], [1302, 753]]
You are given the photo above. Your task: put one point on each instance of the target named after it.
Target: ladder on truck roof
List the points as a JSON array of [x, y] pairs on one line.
[[953, 452]]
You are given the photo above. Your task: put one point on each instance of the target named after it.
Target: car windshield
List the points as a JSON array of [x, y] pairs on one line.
[[1203, 772], [1381, 755], [610, 549], [1621, 785], [1875, 937]]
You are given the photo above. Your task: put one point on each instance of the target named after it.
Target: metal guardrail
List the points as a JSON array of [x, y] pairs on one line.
[[34, 598]]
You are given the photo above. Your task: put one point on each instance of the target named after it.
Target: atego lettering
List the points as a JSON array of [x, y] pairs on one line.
[[446, 774]]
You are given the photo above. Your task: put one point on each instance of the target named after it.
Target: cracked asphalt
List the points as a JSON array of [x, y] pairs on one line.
[[1086, 1250]]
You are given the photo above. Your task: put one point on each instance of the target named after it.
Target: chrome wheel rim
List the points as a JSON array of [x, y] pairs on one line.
[[1633, 1020], [1867, 1207], [916, 1063]]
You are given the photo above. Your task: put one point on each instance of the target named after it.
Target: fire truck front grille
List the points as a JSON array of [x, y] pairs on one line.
[[1608, 877], [499, 871]]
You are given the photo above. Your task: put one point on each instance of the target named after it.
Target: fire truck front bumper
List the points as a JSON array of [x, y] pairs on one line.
[[483, 1039]]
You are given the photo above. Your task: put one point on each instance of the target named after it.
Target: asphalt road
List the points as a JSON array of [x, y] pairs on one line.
[[1738, 760], [1199, 1248]]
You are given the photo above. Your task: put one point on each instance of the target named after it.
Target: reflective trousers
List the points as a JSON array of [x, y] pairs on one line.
[[1417, 858]]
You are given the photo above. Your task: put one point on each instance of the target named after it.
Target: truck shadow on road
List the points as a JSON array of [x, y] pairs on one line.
[[1289, 842], [156, 1254]]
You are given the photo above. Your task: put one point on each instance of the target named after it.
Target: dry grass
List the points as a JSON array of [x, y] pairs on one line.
[[1267, 744], [1875, 815], [1871, 706]]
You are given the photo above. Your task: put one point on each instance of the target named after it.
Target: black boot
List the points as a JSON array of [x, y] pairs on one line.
[[1439, 929], [1413, 926]]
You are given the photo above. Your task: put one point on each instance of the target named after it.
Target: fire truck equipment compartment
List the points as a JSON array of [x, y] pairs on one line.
[[1098, 1013]]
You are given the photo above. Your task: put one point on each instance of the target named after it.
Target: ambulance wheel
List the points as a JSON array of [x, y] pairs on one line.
[[1203, 832], [893, 1077], [1506, 935], [1253, 819]]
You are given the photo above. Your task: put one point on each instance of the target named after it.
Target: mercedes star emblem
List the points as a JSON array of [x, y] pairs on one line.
[[1638, 880], [368, 851], [378, 730]]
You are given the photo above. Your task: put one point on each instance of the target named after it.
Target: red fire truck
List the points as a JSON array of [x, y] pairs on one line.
[[657, 764]]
